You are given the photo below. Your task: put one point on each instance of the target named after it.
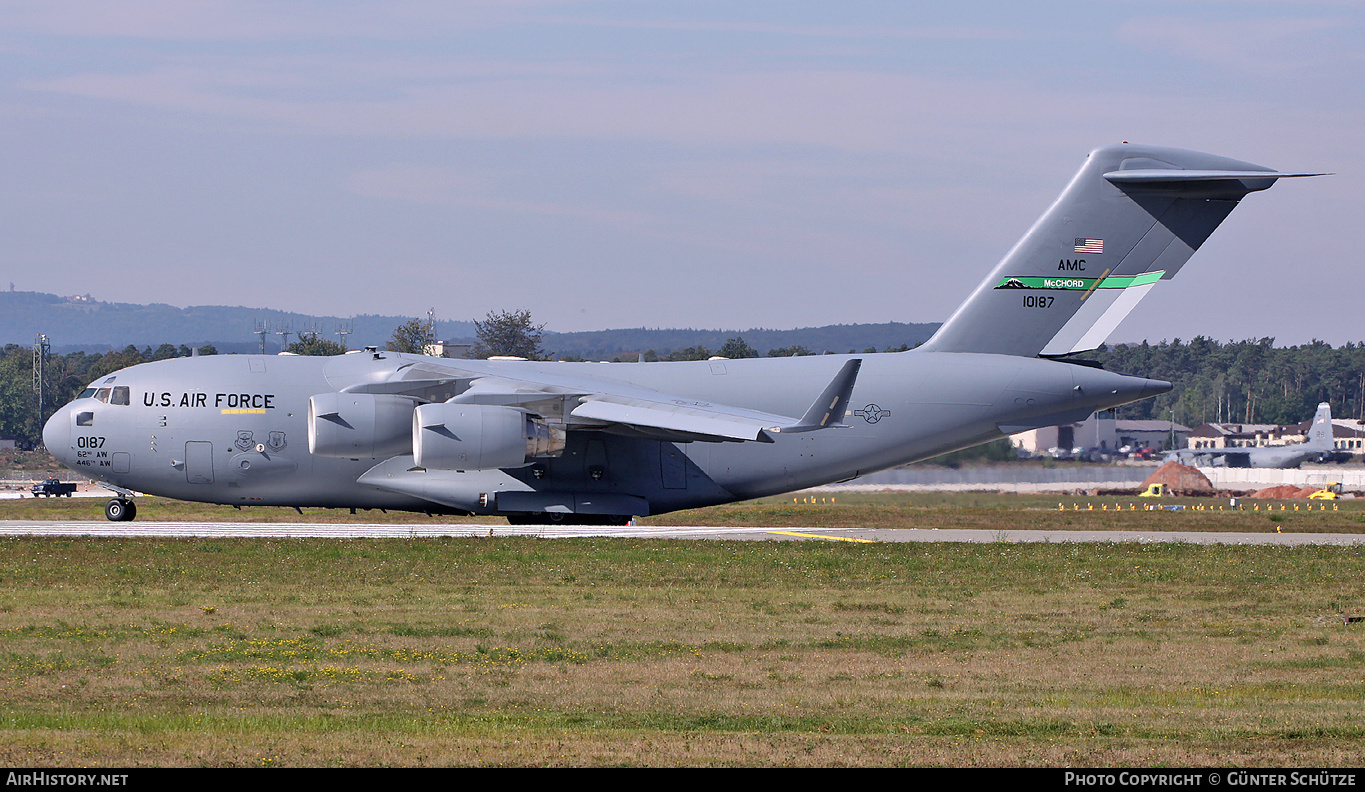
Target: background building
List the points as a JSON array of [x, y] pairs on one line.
[[1105, 432], [1347, 434]]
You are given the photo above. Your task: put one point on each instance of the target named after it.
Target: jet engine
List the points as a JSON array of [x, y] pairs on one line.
[[480, 437], [360, 425]]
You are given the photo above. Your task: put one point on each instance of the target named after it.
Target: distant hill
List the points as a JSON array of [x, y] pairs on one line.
[[73, 323], [606, 344]]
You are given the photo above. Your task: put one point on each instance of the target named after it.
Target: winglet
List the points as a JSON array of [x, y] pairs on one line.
[[829, 408]]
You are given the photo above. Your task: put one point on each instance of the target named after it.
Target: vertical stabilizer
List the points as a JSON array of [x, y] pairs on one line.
[[1320, 433], [1132, 216]]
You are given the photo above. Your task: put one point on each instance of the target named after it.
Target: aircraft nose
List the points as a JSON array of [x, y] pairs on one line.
[[57, 433]]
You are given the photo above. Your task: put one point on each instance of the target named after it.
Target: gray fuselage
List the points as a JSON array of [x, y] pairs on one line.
[[235, 429]]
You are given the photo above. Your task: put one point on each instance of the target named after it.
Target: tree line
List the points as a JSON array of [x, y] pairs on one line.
[[64, 377], [1250, 381]]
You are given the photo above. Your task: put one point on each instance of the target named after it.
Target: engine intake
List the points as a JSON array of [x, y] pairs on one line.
[[359, 425], [481, 437]]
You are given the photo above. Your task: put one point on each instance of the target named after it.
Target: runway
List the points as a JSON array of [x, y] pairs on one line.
[[185, 530]]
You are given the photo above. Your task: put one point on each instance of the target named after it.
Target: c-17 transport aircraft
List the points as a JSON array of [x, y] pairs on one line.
[[604, 442], [1319, 442]]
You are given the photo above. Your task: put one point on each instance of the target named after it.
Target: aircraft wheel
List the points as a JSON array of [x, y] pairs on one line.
[[607, 519], [540, 518], [119, 510]]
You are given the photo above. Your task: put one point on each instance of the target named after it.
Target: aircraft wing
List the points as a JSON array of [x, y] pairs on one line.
[[1211, 453], [1214, 457], [631, 409], [688, 419], [718, 420]]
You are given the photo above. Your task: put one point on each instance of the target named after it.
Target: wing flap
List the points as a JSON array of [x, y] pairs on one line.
[[707, 420], [723, 421]]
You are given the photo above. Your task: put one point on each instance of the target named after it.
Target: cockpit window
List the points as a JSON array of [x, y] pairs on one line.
[[118, 394], [87, 393]]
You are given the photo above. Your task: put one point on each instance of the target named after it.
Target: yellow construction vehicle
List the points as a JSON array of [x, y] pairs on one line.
[[1329, 492], [1154, 491]]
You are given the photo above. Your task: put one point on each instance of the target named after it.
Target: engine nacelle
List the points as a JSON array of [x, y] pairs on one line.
[[359, 425], [480, 437]]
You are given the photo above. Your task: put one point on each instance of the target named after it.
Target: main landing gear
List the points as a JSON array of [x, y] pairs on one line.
[[561, 518]]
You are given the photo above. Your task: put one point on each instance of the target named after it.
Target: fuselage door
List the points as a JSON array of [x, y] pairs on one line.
[[199, 462], [672, 466]]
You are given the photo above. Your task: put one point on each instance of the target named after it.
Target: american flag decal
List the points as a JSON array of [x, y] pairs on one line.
[[1089, 245]]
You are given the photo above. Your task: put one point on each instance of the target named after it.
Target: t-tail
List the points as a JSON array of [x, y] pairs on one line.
[[1132, 216]]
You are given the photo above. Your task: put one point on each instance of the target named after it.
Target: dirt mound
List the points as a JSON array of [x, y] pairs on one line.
[[1180, 480], [1281, 492]]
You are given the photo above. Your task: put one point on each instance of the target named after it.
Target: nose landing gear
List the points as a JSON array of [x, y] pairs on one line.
[[120, 510]]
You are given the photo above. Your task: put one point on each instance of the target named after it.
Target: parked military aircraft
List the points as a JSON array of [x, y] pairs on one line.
[[1319, 442], [602, 442]]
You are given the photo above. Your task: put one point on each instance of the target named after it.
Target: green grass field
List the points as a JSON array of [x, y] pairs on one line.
[[518, 651], [983, 510]]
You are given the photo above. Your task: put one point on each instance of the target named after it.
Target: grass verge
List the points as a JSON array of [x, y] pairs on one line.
[[514, 651]]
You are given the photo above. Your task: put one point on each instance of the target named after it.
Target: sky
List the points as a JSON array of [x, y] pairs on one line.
[[699, 164]]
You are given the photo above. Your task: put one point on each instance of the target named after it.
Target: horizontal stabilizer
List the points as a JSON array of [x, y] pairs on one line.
[[1172, 175]]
